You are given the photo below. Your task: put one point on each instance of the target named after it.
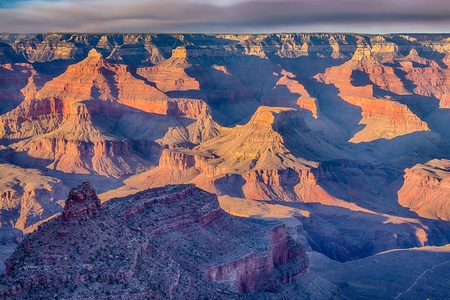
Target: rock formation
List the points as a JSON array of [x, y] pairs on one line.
[[28, 196], [143, 245], [91, 79], [357, 81], [81, 204], [345, 134], [425, 189], [62, 121]]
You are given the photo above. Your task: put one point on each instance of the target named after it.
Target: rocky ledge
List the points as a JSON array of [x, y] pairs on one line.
[[173, 242]]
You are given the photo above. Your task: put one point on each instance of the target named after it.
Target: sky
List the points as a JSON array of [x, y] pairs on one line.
[[225, 16]]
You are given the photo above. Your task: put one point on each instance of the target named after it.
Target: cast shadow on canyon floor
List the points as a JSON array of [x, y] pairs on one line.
[[232, 97], [343, 234]]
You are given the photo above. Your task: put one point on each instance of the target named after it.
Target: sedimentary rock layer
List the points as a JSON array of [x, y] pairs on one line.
[[149, 236]]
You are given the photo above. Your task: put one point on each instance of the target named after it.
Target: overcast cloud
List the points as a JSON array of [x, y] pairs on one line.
[[371, 16]]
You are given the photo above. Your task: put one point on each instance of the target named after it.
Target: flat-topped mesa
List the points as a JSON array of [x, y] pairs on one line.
[[81, 204]]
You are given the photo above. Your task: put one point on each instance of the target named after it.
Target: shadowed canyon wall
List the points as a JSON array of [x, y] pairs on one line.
[[338, 131]]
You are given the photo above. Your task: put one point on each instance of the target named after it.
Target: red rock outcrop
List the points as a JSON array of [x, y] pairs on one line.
[[425, 189], [151, 233], [255, 152], [91, 79], [171, 74], [62, 115], [115, 117], [81, 204], [429, 79], [384, 118], [176, 160], [95, 78], [273, 145]]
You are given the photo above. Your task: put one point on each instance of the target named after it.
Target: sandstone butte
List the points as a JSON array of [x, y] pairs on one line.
[[343, 137]]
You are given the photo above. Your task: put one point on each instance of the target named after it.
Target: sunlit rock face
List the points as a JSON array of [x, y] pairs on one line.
[[342, 136], [425, 189]]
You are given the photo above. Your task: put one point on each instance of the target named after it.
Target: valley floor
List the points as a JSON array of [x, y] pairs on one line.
[[418, 273]]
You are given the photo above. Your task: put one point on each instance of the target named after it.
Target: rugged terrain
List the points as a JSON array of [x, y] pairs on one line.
[[343, 137], [173, 242]]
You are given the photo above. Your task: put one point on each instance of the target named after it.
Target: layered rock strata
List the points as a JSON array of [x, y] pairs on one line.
[[142, 245], [28, 196], [425, 189], [348, 125]]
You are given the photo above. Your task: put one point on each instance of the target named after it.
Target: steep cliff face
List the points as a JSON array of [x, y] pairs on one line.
[[77, 144], [273, 152], [188, 74], [262, 160], [425, 189], [271, 131], [80, 121], [95, 78], [91, 79], [114, 248], [152, 48], [120, 48], [171, 75], [28, 196], [357, 80], [328, 124], [13, 79], [255, 271]]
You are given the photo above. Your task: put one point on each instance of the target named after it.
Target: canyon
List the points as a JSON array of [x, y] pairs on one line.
[[343, 138], [177, 236]]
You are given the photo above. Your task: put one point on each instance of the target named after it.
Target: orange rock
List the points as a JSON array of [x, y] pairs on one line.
[[425, 189], [384, 118]]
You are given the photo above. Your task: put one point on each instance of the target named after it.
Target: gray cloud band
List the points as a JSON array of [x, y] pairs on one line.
[[198, 16]]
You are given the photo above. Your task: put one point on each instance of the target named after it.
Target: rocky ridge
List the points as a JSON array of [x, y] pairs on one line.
[[337, 129], [149, 236]]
